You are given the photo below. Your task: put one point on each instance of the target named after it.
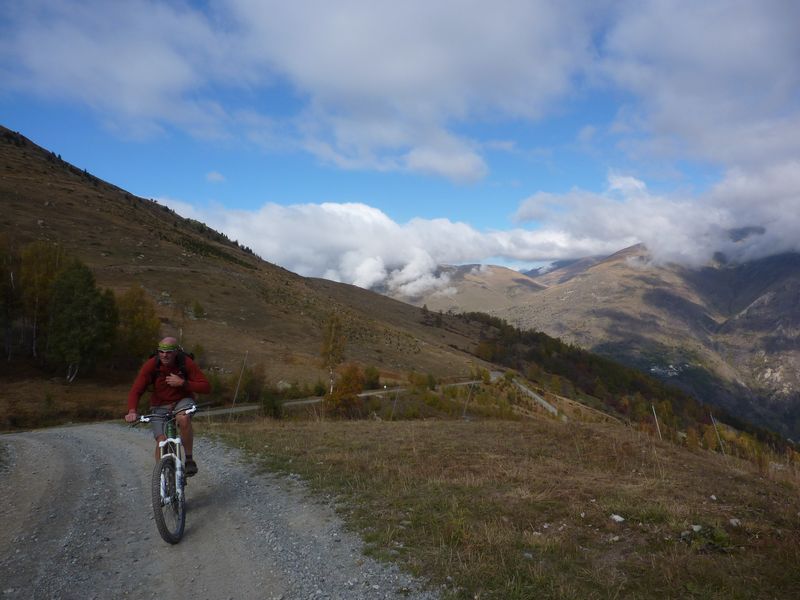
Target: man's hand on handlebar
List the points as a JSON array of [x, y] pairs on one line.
[[133, 417]]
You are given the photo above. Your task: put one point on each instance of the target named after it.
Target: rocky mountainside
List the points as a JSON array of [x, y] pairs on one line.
[[246, 304], [562, 270], [474, 287], [730, 333]]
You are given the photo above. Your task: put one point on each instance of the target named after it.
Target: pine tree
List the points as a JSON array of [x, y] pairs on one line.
[[83, 320]]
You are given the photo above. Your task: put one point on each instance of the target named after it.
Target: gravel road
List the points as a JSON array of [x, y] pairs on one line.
[[76, 522]]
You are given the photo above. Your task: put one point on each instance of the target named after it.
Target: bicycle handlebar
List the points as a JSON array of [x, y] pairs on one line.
[[166, 417]]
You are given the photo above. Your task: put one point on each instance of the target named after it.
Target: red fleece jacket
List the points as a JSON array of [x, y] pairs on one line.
[[163, 393]]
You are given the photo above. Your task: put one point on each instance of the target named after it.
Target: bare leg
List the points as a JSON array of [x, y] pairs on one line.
[[187, 435], [160, 438]]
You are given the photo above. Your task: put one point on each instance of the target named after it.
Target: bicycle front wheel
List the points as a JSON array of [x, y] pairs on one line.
[[169, 506]]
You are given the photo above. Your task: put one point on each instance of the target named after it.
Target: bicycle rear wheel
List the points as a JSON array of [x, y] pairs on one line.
[[169, 506]]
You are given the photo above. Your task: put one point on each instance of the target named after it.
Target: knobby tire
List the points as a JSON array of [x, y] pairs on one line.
[[170, 516]]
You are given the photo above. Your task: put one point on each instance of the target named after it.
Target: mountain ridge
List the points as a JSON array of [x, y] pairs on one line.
[[248, 304], [728, 333]]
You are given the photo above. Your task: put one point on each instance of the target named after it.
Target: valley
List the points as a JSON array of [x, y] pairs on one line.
[[728, 333]]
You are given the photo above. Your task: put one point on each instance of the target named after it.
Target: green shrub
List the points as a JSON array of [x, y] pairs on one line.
[[372, 378], [272, 403]]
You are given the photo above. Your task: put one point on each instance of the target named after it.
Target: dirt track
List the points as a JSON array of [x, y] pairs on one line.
[[76, 522]]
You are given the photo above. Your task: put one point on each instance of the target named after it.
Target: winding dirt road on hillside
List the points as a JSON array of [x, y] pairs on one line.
[[76, 522]]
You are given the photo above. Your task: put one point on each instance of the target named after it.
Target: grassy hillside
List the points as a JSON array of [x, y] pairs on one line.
[[518, 510], [248, 305]]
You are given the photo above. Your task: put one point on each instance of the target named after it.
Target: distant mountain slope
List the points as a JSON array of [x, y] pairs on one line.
[[728, 333], [563, 270], [250, 305], [474, 287]]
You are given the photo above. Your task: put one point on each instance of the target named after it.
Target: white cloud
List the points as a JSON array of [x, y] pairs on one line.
[[380, 85], [673, 229], [385, 85], [455, 163], [763, 199], [353, 243], [215, 177], [626, 185], [367, 271], [131, 62], [386, 79], [714, 80], [399, 86], [682, 229], [359, 244]]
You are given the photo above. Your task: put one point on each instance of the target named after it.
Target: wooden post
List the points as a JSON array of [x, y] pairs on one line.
[[236, 393], [394, 404], [469, 395], [655, 417], [719, 439]]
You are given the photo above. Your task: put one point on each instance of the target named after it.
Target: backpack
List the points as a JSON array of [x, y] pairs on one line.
[[180, 362]]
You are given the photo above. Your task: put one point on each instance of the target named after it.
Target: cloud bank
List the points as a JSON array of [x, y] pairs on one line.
[[746, 216], [358, 244]]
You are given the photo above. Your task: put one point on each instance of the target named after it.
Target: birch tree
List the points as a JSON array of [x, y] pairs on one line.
[[333, 343], [9, 291], [40, 266]]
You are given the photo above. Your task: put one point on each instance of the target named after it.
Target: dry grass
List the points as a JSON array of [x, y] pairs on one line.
[[33, 403], [500, 509]]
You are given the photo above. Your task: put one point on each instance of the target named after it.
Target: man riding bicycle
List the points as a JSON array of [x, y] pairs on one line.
[[176, 379]]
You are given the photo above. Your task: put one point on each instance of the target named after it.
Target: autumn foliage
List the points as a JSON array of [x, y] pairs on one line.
[[54, 316]]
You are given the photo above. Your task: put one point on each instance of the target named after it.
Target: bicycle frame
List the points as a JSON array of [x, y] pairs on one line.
[[171, 447]]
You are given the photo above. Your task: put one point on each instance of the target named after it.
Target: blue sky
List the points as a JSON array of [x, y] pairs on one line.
[[368, 142]]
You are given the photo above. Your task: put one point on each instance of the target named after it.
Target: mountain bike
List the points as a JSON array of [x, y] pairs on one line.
[[169, 479]]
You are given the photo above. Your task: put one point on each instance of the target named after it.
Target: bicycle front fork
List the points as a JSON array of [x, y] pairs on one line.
[[166, 497]]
